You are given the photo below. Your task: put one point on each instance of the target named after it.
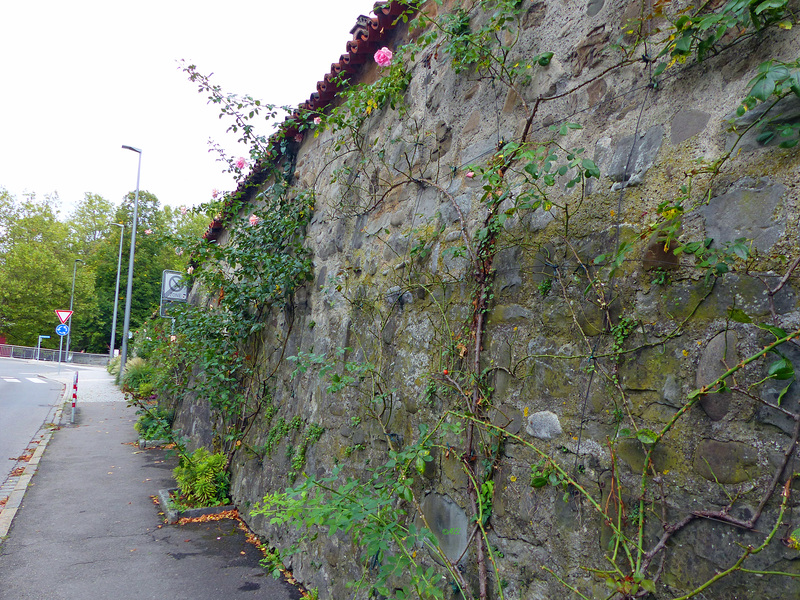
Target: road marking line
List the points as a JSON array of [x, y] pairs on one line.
[[32, 380], [11, 379]]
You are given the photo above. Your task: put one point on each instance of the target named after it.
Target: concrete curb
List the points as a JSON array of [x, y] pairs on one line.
[[147, 444], [172, 515], [44, 435]]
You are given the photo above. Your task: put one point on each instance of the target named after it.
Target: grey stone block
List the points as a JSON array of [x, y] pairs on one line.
[[686, 124], [627, 161], [594, 6], [719, 354], [449, 523], [725, 462], [544, 425], [746, 211]]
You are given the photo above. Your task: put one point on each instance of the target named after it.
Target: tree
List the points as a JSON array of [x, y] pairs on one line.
[[89, 223], [156, 250], [36, 270], [38, 252]]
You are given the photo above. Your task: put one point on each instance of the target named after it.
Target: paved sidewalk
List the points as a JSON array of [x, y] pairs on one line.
[[87, 526]]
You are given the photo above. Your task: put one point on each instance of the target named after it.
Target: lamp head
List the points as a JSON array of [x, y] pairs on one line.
[[132, 149]]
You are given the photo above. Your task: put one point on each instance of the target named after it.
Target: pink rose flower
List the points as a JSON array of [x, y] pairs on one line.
[[470, 174], [190, 270], [383, 57], [298, 138], [148, 231], [184, 210], [254, 219], [317, 120], [241, 162]]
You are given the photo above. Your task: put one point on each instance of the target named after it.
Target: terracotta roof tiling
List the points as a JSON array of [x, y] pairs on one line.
[[369, 34]]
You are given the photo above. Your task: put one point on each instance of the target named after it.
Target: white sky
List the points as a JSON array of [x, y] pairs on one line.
[[80, 79]]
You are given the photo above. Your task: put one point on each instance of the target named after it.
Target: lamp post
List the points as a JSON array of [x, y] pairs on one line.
[[71, 298], [123, 355], [116, 292]]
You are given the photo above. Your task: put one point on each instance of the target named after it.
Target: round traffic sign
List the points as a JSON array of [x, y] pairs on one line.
[[62, 329]]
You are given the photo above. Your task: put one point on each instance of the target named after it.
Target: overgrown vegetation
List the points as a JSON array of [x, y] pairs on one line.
[[154, 424], [254, 275]]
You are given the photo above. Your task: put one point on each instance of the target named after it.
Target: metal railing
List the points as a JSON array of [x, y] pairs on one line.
[[46, 354]]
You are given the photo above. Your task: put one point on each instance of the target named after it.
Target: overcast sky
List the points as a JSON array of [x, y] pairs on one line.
[[80, 79]]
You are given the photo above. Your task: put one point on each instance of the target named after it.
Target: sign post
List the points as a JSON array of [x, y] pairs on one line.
[[39, 344], [174, 289], [62, 330], [74, 397]]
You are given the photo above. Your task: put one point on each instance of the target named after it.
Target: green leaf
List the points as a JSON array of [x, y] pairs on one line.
[[794, 539], [763, 88], [647, 436], [684, 45], [769, 5], [783, 392], [590, 167], [776, 331], [741, 250], [781, 369], [544, 58], [738, 315]]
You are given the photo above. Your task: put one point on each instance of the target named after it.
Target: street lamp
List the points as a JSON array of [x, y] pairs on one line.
[[116, 292], [71, 298], [123, 355]]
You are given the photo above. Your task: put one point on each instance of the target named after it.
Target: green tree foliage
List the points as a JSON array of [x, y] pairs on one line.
[[36, 269], [38, 252], [88, 224]]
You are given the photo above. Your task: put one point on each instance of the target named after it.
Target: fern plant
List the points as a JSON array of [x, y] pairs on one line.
[[202, 478]]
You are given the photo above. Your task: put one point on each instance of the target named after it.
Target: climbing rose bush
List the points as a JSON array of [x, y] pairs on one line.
[[383, 57]]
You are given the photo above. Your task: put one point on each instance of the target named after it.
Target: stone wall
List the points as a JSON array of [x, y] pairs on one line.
[[395, 287]]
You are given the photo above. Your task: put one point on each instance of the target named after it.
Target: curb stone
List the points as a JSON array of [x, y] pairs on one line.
[[44, 435], [172, 515], [147, 444]]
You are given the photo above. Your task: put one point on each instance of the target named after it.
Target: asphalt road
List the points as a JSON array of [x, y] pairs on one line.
[[25, 400]]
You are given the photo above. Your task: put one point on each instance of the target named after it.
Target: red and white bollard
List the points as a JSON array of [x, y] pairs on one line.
[[74, 396]]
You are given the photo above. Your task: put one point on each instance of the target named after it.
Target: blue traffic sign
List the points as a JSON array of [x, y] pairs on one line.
[[62, 330]]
